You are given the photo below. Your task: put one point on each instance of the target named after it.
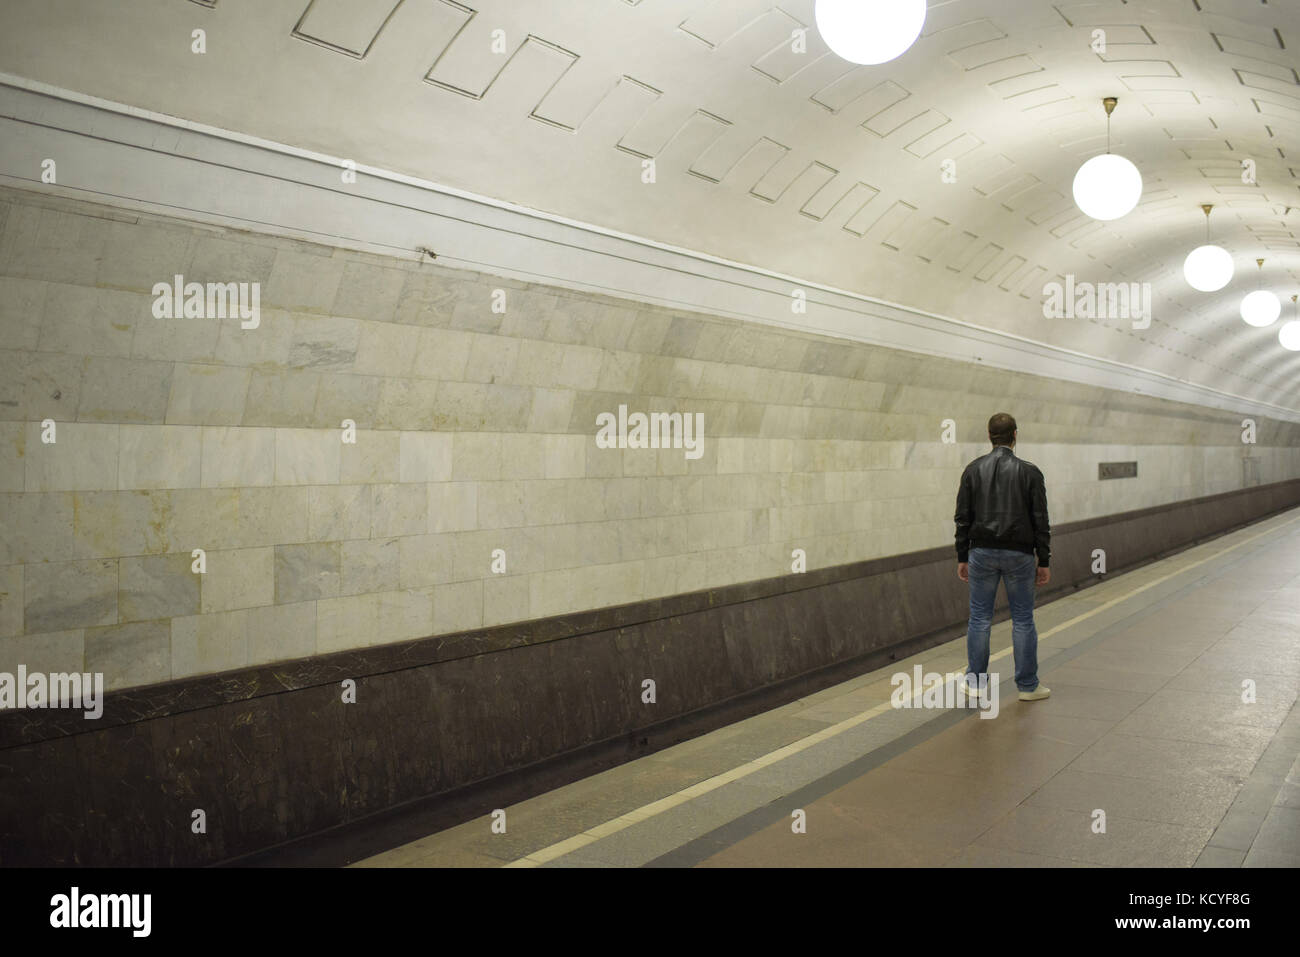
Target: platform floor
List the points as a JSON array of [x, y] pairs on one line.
[[1146, 723]]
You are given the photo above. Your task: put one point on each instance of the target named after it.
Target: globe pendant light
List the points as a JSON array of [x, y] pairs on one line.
[[1208, 268], [1260, 308], [1289, 334], [1107, 186], [869, 31]]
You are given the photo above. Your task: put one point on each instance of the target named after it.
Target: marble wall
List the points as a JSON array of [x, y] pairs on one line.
[[475, 492]]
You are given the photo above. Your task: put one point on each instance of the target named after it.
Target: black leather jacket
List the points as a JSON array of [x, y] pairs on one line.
[[1002, 503]]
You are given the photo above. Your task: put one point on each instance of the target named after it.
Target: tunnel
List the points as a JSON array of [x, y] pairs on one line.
[[606, 434]]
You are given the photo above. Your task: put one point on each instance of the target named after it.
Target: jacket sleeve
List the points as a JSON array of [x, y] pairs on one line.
[[964, 517], [1038, 516]]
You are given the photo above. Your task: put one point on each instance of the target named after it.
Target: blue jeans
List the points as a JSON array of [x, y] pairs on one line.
[[986, 567]]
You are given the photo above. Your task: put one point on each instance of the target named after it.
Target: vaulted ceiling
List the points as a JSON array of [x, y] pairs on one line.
[[795, 162]]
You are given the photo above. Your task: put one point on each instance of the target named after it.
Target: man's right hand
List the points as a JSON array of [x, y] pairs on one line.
[[1044, 576]]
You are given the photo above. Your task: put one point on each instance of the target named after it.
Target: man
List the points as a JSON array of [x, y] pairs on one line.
[[1001, 524]]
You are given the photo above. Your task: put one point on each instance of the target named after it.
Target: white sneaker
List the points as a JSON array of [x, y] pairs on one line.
[[1038, 694]]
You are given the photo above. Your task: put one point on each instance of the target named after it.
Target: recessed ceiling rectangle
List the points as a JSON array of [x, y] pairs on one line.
[[700, 131], [718, 22], [1077, 220], [992, 171], [630, 98], [737, 154], [1012, 73], [1052, 96], [1263, 46], [1124, 34], [894, 118], [975, 43], [858, 82], [1050, 205], [982, 259], [955, 249], [858, 202], [1286, 111], [804, 182], [782, 62], [879, 100], [1092, 229], [892, 221], [467, 64], [930, 239], [1031, 286], [1146, 84], [661, 125], [833, 192], [914, 233], [1287, 84], [1005, 277], [345, 26], [1090, 12], [929, 123], [575, 95], [1170, 102], [985, 265], [1010, 192], [943, 142]]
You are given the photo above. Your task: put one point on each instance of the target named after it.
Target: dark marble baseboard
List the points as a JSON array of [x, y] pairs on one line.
[[272, 754]]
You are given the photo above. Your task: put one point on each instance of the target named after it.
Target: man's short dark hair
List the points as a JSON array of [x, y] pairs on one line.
[[1002, 429]]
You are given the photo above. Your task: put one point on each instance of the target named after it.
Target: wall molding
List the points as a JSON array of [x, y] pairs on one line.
[[150, 162]]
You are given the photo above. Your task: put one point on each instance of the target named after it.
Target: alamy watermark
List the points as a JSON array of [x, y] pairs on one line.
[[58, 689], [215, 300], [130, 911], [654, 430], [933, 690], [1104, 300]]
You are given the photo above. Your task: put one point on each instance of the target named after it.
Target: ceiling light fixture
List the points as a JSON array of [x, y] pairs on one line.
[[1260, 308], [1107, 186], [1289, 334], [869, 31], [1208, 268]]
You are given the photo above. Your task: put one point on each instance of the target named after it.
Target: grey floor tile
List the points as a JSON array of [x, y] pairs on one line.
[[1145, 799], [1086, 701], [1220, 857], [1189, 726], [1166, 759], [1056, 832], [1280, 832], [983, 856], [1079, 673], [1237, 830]]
